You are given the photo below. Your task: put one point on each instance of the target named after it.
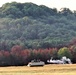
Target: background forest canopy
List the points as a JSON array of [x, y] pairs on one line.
[[33, 27]]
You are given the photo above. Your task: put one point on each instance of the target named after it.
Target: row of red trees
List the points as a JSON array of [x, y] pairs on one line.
[[18, 56]]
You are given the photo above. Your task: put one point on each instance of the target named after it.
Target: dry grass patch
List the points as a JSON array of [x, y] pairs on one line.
[[59, 69]]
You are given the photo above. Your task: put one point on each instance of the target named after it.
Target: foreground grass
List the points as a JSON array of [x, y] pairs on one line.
[[59, 69]]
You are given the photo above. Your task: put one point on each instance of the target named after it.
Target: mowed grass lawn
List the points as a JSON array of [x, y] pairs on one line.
[[51, 69]]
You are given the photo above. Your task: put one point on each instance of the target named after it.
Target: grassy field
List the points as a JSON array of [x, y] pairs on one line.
[[52, 69]]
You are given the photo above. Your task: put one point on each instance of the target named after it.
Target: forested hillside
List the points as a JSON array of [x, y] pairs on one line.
[[33, 26]]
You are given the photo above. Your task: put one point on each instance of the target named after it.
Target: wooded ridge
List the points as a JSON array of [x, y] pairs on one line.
[[33, 26]]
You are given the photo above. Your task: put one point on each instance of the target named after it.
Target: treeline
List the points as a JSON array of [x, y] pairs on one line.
[[18, 56], [19, 10]]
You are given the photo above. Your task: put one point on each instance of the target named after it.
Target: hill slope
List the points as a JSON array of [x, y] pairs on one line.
[[34, 26]]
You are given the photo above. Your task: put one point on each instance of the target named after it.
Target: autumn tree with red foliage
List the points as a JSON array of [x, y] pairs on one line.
[[25, 55], [72, 48], [4, 58], [16, 55]]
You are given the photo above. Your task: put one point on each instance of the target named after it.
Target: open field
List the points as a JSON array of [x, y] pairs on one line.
[[52, 69]]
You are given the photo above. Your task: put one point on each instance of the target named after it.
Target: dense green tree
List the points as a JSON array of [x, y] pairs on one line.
[[64, 52]]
